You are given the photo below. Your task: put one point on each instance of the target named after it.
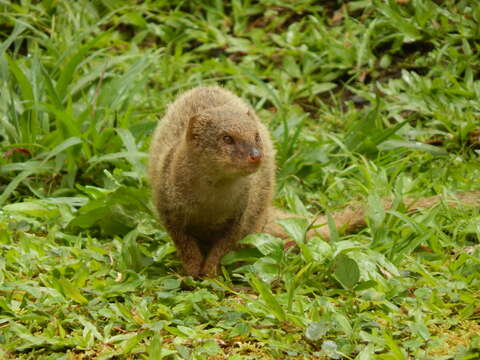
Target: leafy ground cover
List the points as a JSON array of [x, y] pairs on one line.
[[365, 99]]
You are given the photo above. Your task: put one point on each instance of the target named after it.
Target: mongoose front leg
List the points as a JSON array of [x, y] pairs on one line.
[[187, 246], [189, 252], [221, 247]]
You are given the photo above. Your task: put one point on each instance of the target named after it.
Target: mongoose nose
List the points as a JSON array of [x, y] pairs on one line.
[[254, 155]]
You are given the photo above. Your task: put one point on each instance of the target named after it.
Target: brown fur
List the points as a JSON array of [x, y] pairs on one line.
[[207, 192]]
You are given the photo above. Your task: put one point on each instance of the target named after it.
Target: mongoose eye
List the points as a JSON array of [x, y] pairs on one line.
[[257, 137], [227, 139]]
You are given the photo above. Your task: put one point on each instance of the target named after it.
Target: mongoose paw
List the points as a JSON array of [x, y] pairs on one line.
[[192, 269], [209, 270]]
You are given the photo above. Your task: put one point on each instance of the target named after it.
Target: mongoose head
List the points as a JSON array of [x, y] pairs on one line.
[[228, 138]]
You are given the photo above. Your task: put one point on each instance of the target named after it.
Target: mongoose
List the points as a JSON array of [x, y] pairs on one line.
[[212, 167], [212, 171]]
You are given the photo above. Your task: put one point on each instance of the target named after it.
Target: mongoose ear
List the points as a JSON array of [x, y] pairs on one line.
[[191, 126], [249, 113]]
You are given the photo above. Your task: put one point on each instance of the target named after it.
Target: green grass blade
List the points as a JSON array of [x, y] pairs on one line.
[[22, 80], [46, 156], [268, 297], [68, 71], [17, 30]]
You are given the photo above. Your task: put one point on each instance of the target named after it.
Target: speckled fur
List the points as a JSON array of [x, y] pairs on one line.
[[207, 194]]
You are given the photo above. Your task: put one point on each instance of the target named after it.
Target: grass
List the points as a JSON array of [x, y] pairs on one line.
[[364, 99]]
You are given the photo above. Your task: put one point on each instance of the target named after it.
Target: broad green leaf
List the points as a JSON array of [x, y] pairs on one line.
[[364, 285], [396, 351], [412, 145], [346, 271], [295, 227], [248, 255], [320, 249], [317, 329], [267, 269], [31, 208], [266, 243], [71, 292], [367, 353], [330, 348]]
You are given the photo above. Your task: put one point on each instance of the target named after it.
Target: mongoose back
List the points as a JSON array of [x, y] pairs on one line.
[[212, 173]]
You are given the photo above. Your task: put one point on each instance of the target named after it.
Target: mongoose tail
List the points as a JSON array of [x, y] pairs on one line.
[[352, 218]]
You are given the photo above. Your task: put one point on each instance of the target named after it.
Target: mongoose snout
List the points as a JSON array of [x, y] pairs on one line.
[[250, 155], [255, 155]]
